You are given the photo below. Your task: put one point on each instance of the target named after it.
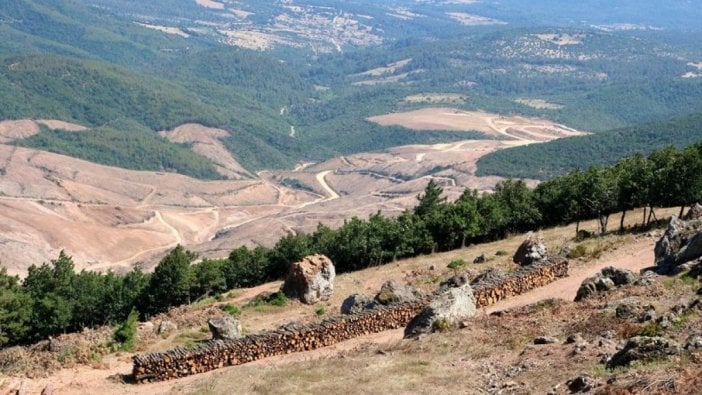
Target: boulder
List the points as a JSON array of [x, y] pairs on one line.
[[480, 259], [695, 212], [311, 280], [492, 275], [644, 349], [165, 327], [446, 309], [454, 282], [530, 251], [619, 276], [356, 303], [594, 285], [693, 343], [582, 383], [225, 328], [629, 310], [393, 292], [681, 243]]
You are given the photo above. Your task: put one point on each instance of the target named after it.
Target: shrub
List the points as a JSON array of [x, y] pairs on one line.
[[650, 329], [320, 311], [456, 263], [501, 253], [231, 309], [441, 325], [279, 299], [126, 333], [577, 252]]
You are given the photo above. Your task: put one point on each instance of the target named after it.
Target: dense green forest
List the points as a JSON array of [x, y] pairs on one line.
[[53, 298], [544, 161], [90, 62]]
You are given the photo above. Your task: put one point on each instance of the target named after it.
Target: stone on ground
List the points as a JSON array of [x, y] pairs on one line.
[[644, 349], [356, 303], [394, 292], [532, 250], [311, 280], [225, 328], [445, 310]]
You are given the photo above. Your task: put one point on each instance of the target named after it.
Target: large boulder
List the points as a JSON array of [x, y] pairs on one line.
[[225, 328], [644, 349], [394, 292], [530, 251], [695, 212], [356, 303], [619, 276], [593, 285], [310, 280], [681, 243], [444, 310], [166, 327]]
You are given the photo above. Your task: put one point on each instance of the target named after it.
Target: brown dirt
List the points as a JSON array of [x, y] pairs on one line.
[[433, 118]]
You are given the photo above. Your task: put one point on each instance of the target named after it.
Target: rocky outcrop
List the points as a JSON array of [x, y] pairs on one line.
[[310, 280], [443, 311], [530, 251], [394, 292], [165, 327], [225, 328], [356, 303], [644, 349], [592, 286], [681, 243], [694, 213], [609, 278]]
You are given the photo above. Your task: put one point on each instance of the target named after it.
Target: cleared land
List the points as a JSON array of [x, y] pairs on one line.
[[110, 218], [512, 127], [21, 129]]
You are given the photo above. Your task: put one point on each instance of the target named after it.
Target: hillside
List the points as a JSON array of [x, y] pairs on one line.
[[551, 159], [499, 346]]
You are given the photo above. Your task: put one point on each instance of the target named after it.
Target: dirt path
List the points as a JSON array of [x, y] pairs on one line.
[[320, 178], [634, 256]]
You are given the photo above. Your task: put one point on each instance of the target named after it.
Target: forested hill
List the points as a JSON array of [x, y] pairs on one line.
[[545, 161]]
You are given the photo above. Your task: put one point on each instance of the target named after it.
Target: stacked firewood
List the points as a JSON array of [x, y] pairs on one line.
[[519, 282], [295, 338]]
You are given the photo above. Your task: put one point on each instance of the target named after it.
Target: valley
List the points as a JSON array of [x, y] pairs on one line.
[[111, 218]]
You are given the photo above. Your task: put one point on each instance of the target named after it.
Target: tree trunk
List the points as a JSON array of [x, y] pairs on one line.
[[643, 223], [603, 223], [621, 222], [577, 228], [682, 211]]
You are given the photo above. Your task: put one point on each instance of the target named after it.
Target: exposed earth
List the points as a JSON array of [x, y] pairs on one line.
[[111, 218]]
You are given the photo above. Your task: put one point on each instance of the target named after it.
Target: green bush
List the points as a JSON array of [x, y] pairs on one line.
[[456, 263], [651, 329], [231, 309], [501, 253], [577, 252], [279, 300], [320, 311], [125, 335]]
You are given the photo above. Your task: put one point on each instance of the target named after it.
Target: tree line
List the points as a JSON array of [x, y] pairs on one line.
[[54, 298]]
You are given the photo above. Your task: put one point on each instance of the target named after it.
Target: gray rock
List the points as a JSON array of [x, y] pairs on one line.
[[480, 259], [582, 383], [447, 308], [225, 328], [546, 340], [647, 277], [694, 342], [628, 310], [454, 282], [492, 275], [645, 349], [356, 303], [165, 327], [681, 243], [310, 280], [393, 292], [530, 251], [619, 276], [695, 212], [593, 285]]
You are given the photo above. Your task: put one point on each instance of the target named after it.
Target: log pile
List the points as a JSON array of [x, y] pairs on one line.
[[183, 362]]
